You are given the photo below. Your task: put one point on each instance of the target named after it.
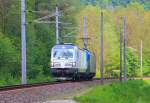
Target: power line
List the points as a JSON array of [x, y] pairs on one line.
[[43, 20]]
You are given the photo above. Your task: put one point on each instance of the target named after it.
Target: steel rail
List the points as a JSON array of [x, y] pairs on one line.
[[24, 86]]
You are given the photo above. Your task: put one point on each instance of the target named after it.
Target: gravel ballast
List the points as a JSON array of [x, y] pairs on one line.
[[46, 93]]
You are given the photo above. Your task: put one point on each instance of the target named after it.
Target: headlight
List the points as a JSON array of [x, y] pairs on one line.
[[56, 64], [73, 64], [52, 64]]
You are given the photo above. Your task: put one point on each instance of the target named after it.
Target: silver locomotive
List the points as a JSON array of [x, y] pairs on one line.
[[70, 62]]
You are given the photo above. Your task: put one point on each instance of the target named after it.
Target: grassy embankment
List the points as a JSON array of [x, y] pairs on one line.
[[134, 91]]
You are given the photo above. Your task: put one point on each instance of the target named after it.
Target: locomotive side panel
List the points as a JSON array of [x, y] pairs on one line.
[[82, 61], [92, 64]]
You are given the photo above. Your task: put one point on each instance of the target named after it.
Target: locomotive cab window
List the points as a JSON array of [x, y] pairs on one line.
[[63, 53]]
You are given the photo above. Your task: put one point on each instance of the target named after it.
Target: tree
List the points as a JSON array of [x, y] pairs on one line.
[[9, 57], [132, 63]]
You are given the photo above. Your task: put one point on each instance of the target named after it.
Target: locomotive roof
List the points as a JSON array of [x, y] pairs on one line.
[[69, 46]]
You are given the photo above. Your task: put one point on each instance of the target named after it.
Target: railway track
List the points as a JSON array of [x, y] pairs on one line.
[[41, 92], [14, 87]]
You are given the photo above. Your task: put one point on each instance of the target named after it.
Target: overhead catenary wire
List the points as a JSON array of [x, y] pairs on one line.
[[45, 20]]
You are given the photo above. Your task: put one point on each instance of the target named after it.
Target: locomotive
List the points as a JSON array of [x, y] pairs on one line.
[[70, 62]]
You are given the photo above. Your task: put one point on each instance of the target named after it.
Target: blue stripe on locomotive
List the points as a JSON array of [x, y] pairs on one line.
[[63, 47], [87, 55]]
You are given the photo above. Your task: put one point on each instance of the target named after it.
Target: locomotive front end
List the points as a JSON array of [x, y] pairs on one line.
[[63, 62]]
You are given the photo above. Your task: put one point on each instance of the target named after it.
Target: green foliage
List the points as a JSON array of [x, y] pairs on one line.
[[132, 63], [115, 3], [8, 80], [9, 56], [134, 91], [9, 61], [146, 62], [40, 38], [134, 13], [40, 78]]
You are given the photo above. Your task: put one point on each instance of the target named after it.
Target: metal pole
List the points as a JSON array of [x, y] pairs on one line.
[[102, 49], [141, 60], [36, 5], [120, 56], [84, 33], [57, 26], [23, 40], [124, 31]]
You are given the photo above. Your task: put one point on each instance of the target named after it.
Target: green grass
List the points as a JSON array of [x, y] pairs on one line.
[[133, 91]]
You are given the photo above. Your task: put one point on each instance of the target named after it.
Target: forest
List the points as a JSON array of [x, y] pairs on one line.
[[41, 37]]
